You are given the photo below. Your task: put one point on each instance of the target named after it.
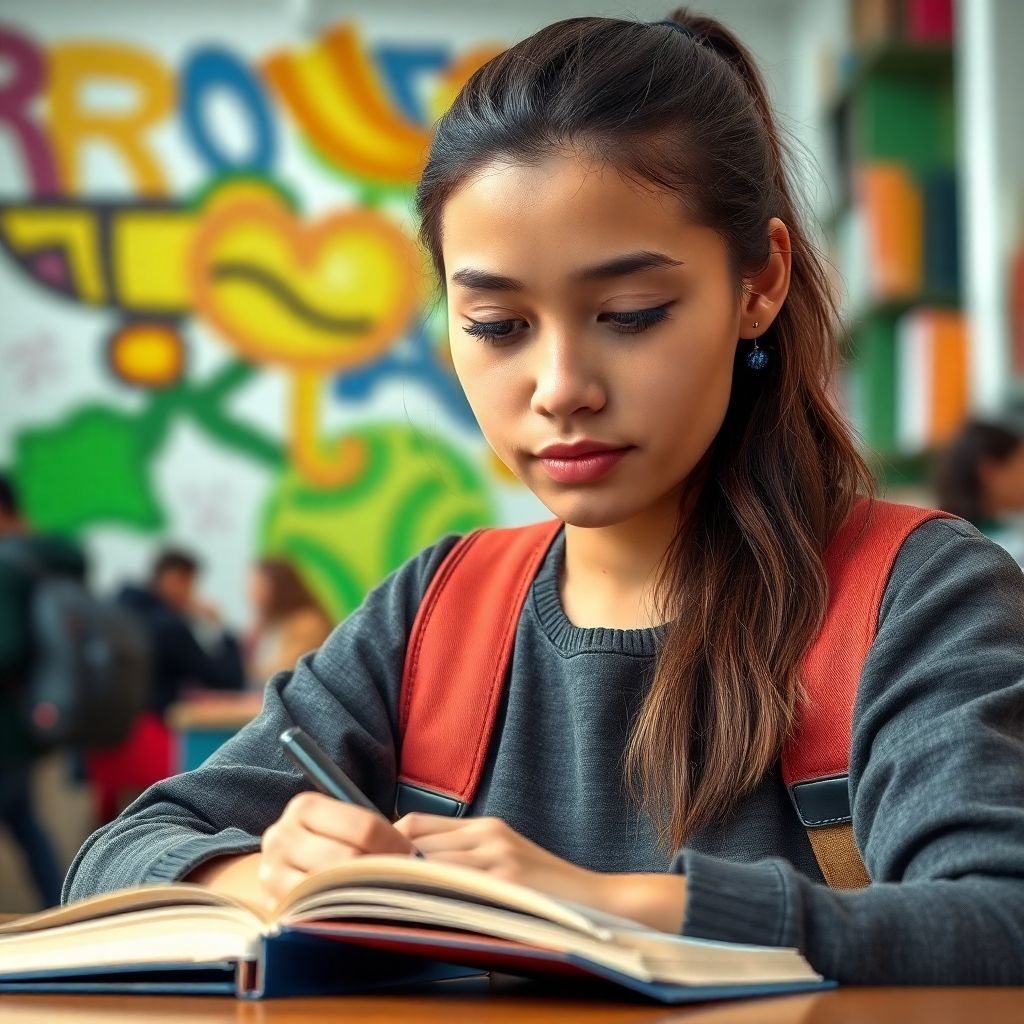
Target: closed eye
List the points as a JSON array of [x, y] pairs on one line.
[[492, 329], [632, 321]]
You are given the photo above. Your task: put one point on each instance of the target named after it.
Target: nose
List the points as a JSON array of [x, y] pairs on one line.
[[568, 379]]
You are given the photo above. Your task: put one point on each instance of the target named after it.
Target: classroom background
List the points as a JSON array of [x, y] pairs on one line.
[[197, 200]]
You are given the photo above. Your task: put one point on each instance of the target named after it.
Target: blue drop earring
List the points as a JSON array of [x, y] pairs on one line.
[[757, 358]]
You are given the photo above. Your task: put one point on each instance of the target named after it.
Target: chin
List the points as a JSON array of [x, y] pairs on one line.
[[589, 511]]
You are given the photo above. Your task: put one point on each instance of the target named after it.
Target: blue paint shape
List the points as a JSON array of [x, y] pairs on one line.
[[211, 68], [413, 359], [402, 66]]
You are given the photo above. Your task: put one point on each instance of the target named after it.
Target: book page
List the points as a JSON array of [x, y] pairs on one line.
[[124, 901], [645, 954], [442, 912], [155, 935], [395, 871]]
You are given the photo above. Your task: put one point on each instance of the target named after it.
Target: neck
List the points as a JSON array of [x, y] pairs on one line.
[[611, 571]]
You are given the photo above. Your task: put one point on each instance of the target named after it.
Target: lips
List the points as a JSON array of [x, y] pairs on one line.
[[582, 462], [578, 449]]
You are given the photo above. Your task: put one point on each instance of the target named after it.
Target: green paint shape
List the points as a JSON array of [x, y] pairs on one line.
[[416, 488], [91, 468], [210, 188]]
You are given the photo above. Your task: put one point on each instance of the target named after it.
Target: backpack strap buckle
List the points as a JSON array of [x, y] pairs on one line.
[[410, 798], [821, 802]]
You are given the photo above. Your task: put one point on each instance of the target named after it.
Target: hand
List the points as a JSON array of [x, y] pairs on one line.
[[315, 832], [198, 608], [488, 844]]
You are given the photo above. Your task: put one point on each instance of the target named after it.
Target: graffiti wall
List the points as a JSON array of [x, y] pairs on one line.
[[218, 329]]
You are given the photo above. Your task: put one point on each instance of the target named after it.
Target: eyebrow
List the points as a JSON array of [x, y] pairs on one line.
[[619, 266]]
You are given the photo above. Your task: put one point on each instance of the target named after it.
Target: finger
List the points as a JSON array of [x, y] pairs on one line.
[[277, 880], [417, 824], [457, 839], [366, 830], [312, 852], [477, 858]]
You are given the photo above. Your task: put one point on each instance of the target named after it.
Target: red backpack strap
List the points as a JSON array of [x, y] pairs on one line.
[[457, 663], [815, 761]]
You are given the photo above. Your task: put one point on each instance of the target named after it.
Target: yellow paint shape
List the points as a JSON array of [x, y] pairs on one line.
[[149, 266], [320, 296], [148, 355], [232, 190], [73, 232]]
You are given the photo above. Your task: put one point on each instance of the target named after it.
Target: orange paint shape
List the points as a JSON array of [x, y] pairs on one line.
[[73, 125], [331, 468], [335, 94]]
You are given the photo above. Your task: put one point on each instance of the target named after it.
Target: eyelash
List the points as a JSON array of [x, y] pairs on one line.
[[634, 321]]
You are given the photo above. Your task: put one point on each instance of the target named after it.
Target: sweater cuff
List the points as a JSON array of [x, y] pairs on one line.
[[731, 902], [175, 862]]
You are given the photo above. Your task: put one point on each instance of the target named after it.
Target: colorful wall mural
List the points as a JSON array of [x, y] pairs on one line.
[[258, 322]]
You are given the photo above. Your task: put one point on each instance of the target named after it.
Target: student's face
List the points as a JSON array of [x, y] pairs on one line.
[[1003, 482], [640, 358], [260, 591], [176, 587]]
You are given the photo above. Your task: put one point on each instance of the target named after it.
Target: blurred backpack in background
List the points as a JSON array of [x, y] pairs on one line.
[[87, 670]]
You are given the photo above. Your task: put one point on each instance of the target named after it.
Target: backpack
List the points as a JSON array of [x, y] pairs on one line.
[[461, 643], [88, 673]]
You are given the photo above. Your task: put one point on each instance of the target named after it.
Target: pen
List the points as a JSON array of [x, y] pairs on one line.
[[323, 772]]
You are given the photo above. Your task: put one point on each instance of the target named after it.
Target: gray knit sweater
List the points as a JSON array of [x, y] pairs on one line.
[[936, 772]]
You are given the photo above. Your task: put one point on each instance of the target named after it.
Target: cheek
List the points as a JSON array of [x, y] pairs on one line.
[[694, 395], [489, 386]]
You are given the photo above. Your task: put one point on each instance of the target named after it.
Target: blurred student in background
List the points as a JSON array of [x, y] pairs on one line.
[[980, 477], [20, 549], [190, 648], [288, 620]]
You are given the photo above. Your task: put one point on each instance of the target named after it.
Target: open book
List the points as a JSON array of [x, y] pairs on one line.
[[374, 922]]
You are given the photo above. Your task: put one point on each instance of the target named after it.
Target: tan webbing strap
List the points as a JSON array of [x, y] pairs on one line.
[[838, 857]]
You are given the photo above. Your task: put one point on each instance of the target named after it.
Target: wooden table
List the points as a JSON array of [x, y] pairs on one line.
[[524, 1001]]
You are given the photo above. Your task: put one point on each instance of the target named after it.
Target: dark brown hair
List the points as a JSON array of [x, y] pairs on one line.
[[958, 484], [174, 560], [287, 591], [743, 586]]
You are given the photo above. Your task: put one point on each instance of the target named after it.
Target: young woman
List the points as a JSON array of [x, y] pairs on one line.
[[610, 214], [981, 478], [289, 620]]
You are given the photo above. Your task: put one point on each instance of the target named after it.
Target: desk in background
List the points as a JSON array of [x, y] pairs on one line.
[[206, 720]]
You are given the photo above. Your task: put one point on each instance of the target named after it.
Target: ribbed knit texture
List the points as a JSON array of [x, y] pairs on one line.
[[569, 639], [936, 771]]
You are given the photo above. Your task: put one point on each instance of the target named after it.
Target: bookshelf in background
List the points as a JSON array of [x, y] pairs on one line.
[[894, 239]]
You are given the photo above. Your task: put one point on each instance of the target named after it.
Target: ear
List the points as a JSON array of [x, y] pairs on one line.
[[765, 292]]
